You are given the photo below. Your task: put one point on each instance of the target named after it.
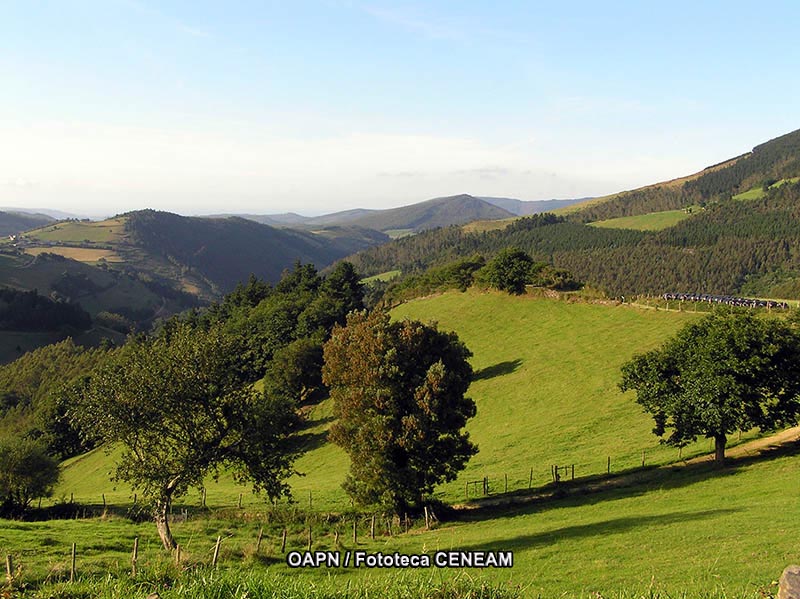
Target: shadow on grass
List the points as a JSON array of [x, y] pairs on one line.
[[629, 483], [309, 441], [603, 528], [498, 369]]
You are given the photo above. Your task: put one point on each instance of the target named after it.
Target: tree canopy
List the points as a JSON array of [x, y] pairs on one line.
[[181, 407], [729, 371], [26, 472], [398, 390]]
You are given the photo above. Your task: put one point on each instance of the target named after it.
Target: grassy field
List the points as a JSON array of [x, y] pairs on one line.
[[655, 221], [756, 193], [482, 226], [89, 255], [77, 231], [384, 276], [398, 233], [546, 374]]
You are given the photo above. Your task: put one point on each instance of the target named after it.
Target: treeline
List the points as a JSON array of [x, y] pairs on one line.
[[509, 270], [540, 235], [730, 246], [767, 163], [29, 311]]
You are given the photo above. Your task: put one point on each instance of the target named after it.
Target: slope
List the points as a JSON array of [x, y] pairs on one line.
[[730, 247], [545, 386], [201, 257], [767, 163], [12, 223], [438, 212]]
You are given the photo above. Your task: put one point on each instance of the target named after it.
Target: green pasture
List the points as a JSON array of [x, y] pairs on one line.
[[654, 221], [384, 276], [545, 387], [758, 192], [78, 231]]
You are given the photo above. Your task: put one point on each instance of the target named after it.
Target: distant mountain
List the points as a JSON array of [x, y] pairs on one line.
[[179, 256], [528, 207], [222, 252], [12, 223], [438, 212], [287, 219], [54, 214]]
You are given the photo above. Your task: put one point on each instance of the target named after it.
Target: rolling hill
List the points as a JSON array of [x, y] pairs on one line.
[[526, 208], [203, 257], [438, 212], [764, 165], [13, 223], [545, 387], [732, 229]]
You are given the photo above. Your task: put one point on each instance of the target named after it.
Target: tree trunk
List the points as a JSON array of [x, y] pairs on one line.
[[161, 516], [719, 449]]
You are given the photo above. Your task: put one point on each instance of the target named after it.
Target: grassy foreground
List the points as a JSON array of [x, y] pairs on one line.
[[545, 387]]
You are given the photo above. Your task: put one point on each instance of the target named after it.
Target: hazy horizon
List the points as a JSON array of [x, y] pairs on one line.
[[318, 107]]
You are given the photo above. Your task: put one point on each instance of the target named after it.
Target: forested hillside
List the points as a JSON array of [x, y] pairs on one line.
[[729, 247], [767, 163], [12, 223]]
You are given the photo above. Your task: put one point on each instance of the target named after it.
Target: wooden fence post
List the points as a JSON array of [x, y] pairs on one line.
[[336, 537], [355, 530], [643, 458], [427, 520], [573, 472], [9, 568], [372, 528], [72, 563], [309, 537], [258, 540], [204, 498], [309, 501], [506, 478], [178, 554], [608, 469], [240, 501], [530, 479], [135, 556], [216, 552], [283, 541]]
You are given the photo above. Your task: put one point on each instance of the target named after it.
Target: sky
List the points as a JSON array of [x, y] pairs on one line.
[[316, 106]]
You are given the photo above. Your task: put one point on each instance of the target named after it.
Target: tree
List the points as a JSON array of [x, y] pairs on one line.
[[509, 270], [398, 390], [180, 406], [729, 371], [26, 472]]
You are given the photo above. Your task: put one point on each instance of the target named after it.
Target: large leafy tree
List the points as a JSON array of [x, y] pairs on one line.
[[180, 406], [510, 270], [399, 398], [26, 472], [729, 371]]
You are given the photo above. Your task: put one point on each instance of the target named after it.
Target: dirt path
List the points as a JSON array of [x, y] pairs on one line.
[[747, 449]]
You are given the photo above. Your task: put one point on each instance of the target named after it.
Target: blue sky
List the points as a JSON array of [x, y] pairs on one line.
[[262, 107]]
